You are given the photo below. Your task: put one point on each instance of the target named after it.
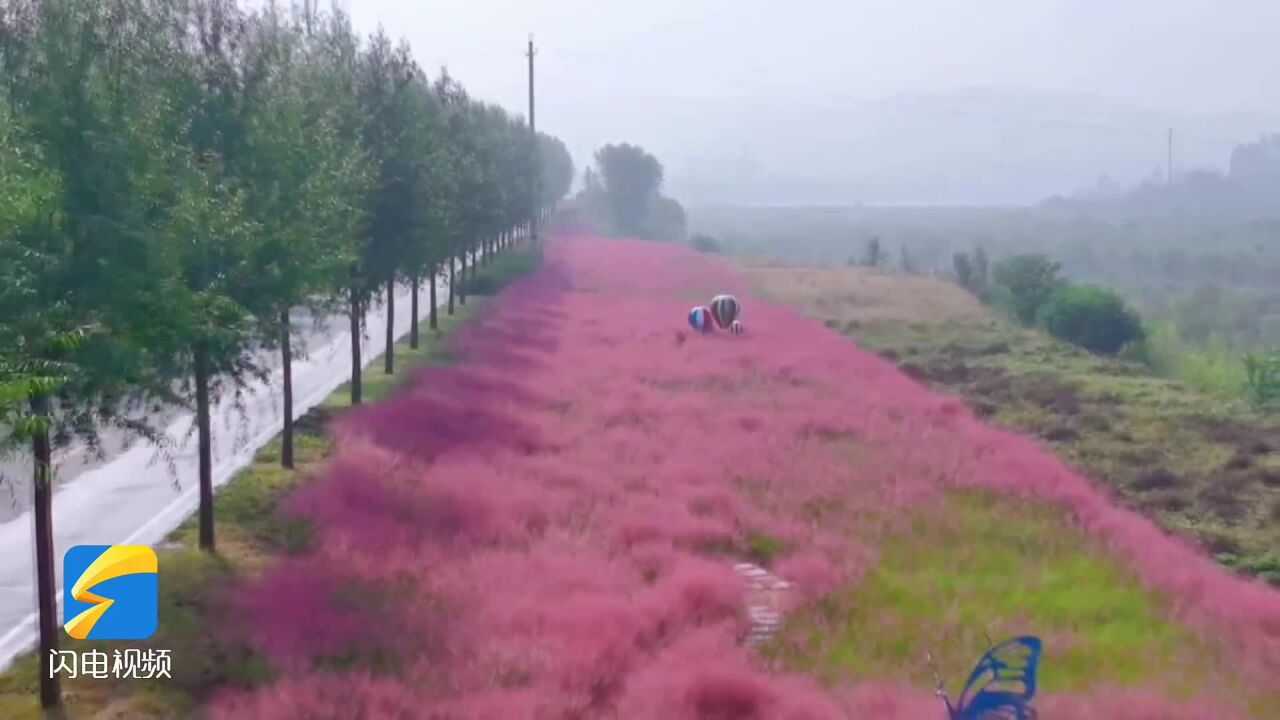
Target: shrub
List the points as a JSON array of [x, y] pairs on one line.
[[1211, 366], [1094, 318], [1026, 282], [704, 243], [1263, 378]]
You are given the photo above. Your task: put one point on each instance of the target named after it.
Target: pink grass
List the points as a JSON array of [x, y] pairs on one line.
[[547, 529]]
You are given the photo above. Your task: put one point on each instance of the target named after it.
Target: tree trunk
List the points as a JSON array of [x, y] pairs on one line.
[[204, 432], [46, 576], [453, 281], [462, 279], [286, 364], [357, 391], [413, 315], [435, 276], [389, 357]]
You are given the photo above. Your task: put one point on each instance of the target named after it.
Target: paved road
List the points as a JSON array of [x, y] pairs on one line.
[[129, 497]]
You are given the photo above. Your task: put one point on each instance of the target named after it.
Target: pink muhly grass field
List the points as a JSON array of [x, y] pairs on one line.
[[547, 528]]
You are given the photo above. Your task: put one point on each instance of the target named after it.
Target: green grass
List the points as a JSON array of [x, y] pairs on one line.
[[979, 564], [1199, 463], [250, 534], [378, 385]]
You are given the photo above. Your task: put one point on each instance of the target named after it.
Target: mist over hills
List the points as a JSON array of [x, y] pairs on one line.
[[978, 146]]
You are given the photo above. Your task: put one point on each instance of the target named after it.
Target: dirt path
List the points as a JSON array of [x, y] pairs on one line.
[[549, 529]]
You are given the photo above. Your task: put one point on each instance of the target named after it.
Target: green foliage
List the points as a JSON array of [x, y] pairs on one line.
[[765, 548], [556, 169], [1210, 366], [1094, 318], [666, 220], [632, 179], [1263, 378], [622, 196], [1025, 282]]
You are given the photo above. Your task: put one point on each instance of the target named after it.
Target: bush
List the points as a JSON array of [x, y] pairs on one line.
[[1094, 318], [705, 243], [1026, 282], [1211, 367], [1263, 377]]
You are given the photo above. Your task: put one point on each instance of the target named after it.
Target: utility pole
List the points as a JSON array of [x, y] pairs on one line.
[[1170, 156], [533, 130]]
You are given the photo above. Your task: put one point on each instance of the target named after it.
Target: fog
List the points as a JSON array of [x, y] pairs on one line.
[[838, 101]]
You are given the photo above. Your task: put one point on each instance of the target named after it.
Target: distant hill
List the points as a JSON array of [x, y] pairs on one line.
[[975, 146]]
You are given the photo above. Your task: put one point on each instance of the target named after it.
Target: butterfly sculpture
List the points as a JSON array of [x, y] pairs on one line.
[[1001, 685]]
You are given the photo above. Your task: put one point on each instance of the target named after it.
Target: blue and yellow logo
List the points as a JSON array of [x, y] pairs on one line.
[[110, 593]]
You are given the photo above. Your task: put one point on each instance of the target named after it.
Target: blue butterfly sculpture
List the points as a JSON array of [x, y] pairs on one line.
[[1001, 685]]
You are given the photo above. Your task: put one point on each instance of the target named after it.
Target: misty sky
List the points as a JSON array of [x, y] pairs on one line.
[[847, 101]]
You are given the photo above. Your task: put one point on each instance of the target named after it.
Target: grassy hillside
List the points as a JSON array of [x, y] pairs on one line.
[[978, 563], [1201, 466]]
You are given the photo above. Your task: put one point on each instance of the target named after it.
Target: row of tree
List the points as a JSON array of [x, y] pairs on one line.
[[179, 177]]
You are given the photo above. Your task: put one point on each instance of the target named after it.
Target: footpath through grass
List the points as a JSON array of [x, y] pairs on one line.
[[251, 534]]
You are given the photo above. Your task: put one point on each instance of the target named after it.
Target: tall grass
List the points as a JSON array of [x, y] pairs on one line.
[[547, 528]]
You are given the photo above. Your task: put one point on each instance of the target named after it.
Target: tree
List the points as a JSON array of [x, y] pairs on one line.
[[874, 256], [433, 190], [666, 220], [303, 181], [555, 166], [1025, 283], [328, 210], [83, 321], [631, 179], [218, 298]]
